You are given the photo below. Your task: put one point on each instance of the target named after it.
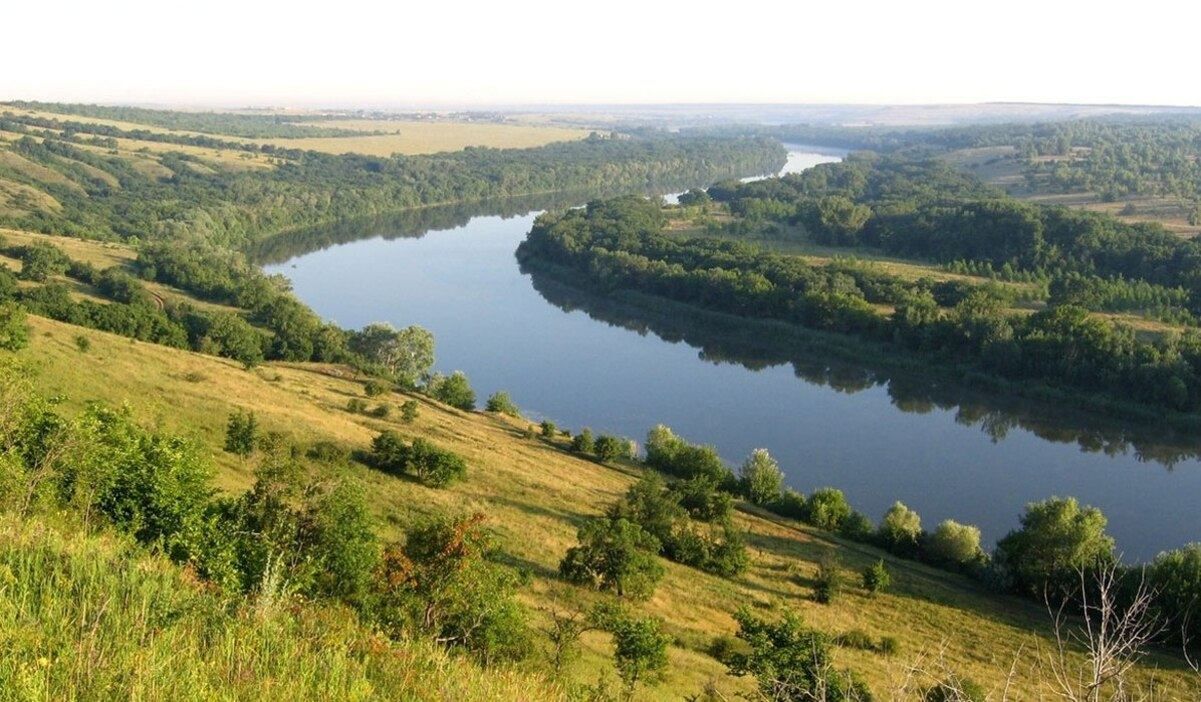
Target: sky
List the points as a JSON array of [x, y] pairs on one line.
[[453, 53]]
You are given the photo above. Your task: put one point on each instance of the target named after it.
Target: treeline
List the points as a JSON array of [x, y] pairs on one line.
[[619, 244], [229, 208], [247, 125]]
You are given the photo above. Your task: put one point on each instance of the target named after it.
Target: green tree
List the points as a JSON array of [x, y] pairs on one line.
[[344, 548], [1057, 538], [583, 442], [442, 584], [14, 332], [827, 508], [827, 584], [900, 529], [614, 554], [241, 433], [639, 651], [762, 479], [409, 411], [1175, 577], [611, 448], [956, 544], [455, 391], [548, 429], [407, 354], [876, 577], [502, 403], [791, 662]]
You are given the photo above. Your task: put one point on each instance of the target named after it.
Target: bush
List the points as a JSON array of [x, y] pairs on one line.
[[409, 411], [327, 452], [827, 508], [857, 527], [1175, 577], [548, 429], [900, 530], [889, 646], [791, 662], [955, 689], [761, 477], [83, 343], [381, 411], [611, 448], [876, 577], [791, 504], [827, 584], [423, 460], [856, 638], [241, 433], [703, 500], [356, 405], [375, 388], [954, 544], [502, 403], [14, 332], [455, 391], [639, 651], [583, 442]]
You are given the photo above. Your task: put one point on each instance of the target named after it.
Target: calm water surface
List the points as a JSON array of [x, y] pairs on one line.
[[618, 368]]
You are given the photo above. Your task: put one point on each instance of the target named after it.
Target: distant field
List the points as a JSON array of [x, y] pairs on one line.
[[407, 137], [416, 137]]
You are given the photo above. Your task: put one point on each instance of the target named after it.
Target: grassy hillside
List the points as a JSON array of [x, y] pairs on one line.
[[536, 494]]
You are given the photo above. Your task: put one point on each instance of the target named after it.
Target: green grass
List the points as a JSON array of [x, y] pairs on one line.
[[94, 618], [536, 494]]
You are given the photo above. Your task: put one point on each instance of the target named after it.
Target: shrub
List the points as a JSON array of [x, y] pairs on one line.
[[900, 529], [856, 638], [611, 448], [83, 343], [455, 391], [423, 460], [876, 577], [828, 582], [955, 689], [827, 508], [791, 504], [356, 405], [502, 403], [954, 544], [548, 429], [791, 662], [762, 479], [703, 500], [1175, 577], [375, 388], [342, 543], [327, 452], [241, 433], [857, 527], [583, 442], [639, 651], [889, 646], [14, 332], [409, 411], [382, 411]]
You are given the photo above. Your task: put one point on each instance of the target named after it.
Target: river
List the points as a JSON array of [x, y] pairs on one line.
[[620, 367]]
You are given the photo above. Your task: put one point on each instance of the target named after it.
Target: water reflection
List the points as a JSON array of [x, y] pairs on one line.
[[829, 361]]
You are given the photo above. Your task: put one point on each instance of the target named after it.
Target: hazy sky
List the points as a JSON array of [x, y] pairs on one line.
[[342, 52]]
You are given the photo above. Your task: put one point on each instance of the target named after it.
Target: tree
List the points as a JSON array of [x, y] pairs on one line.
[[409, 411], [876, 577], [241, 433], [762, 479], [614, 554], [791, 662], [547, 429], [583, 442], [827, 508], [502, 403], [639, 650], [433, 466], [407, 354], [455, 391], [440, 583], [1175, 576], [14, 332], [611, 448], [827, 584], [343, 543], [1056, 539], [900, 529], [955, 544]]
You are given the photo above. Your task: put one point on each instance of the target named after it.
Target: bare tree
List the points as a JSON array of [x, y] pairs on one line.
[[1113, 634]]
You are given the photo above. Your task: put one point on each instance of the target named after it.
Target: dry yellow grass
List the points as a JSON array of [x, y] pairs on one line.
[[536, 494]]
